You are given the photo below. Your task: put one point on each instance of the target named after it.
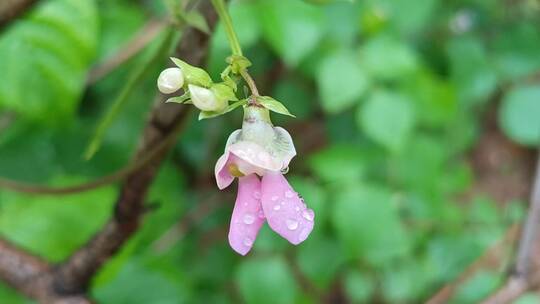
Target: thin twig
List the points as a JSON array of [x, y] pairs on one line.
[[140, 40], [530, 230]]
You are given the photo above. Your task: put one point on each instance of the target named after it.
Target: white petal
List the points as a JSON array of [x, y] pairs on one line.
[[170, 80], [204, 99]]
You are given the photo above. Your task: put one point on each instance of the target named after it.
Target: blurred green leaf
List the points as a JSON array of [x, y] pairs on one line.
[[320, 258], [471, 70], [387, 58], [50, 226], [338, 163], [45, 57], [387, 118], [358, 215], [477, 288], [519, 115], [358, 287], [292, 28], [258, 278], [341, 81], [528, 298]]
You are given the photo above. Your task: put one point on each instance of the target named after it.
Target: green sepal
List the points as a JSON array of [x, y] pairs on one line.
[[223, 92], [211, 114], [238, 63], [193, 75], [227, 79], [273, 105], [179, 99]]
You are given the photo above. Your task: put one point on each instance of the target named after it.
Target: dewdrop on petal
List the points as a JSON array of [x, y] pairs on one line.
[[204, 99], [170, 80]]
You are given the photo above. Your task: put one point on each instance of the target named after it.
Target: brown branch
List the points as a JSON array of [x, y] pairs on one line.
[[11, 9], [68, 281], [74, 275]]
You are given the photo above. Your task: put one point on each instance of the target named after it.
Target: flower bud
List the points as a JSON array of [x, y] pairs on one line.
[[205, 100], [170, 80]]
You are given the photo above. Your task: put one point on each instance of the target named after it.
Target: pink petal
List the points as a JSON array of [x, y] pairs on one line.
[[247, 217], [285, 211], [223, 176], [255, 155]]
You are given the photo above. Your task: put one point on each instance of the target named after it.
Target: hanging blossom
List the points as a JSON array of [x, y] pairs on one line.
[[259, 155]]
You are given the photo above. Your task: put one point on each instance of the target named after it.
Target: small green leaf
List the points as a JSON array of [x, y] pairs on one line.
[[358, 286], [192, 74], [273, 105], [519, 115], [212, 114], [387, 118], [341, 81], [196, 20], [179, 99]]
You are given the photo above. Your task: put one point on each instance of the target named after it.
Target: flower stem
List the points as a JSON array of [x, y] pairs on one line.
[[220, 8], [251, 84]]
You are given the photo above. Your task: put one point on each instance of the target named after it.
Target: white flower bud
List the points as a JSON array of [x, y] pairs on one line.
[[204, 99], [170, 80]]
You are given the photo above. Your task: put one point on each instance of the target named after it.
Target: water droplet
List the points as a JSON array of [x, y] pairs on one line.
[[305, 206], [292, 224], [302, 236], [274, 198], [257, 194], [249, 219], [282, 202], [277, 207], [289, 194], [308, 214], [285, 170], [297, 208], [261, 214], [248, 242]]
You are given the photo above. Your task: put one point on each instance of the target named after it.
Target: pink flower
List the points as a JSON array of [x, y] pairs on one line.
[[261, 150]]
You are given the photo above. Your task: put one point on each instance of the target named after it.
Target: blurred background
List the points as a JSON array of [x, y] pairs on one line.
[[416, 123]]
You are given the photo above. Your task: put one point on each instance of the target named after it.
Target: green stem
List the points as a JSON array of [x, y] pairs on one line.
[[120, 100], [223, 14]]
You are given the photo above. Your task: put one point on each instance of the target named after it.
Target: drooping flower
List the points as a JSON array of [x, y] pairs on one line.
[[258, 154]]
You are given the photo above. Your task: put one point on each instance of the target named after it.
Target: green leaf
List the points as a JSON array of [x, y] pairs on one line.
[[339, 163], [341, 81], [273, 105], [229, 108], [179, 99], [45, 57], [292, 28], [260, 277], [367, 223], [519, 115], [223, 92], [192, 74], [386, 58], [196, 20], [478, 287], [358, 287], [472, 73], [320, 259], [387, 118]]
